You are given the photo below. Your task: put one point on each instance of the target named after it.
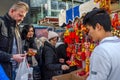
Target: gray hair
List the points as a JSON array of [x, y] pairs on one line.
[[20, 4]]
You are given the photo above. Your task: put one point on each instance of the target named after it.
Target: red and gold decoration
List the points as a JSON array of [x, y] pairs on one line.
[[116, 32], [79, 47], [115, 21], [31, 52], [115, 24], [105, 4]]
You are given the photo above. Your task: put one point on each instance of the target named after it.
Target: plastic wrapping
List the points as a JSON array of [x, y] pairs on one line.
[[24, 71]]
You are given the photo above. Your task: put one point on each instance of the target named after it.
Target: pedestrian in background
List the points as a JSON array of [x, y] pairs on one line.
[[10, 39], [50, 61], [104, 61], [30, 47], [61, 47], [28, 36]]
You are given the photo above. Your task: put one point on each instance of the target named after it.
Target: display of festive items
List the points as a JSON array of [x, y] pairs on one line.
[[31, 52], [105, 4], [115, 21], [116, 32], [115, 24], [81, 73], [79, 47]]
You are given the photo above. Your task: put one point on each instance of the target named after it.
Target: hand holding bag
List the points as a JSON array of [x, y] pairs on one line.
[[23, 71]]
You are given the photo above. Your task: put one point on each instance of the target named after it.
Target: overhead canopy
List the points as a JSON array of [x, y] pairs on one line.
[[72, 13], [77, 11]]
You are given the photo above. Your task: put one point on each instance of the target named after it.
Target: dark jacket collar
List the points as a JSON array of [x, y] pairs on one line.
[[10, 20], [46, 43]]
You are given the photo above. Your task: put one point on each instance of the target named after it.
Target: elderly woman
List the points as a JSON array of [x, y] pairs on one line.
[[51, 65]]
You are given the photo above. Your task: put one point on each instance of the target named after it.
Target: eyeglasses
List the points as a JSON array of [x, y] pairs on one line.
[[55, 40]]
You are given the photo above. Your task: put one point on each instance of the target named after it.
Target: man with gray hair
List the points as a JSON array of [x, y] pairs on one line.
[[10, 39]]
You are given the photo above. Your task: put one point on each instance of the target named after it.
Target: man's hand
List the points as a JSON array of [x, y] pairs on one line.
[[18, 57]]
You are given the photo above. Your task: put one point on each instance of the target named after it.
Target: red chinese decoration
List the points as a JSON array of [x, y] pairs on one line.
[[79, 47], [105, 4]]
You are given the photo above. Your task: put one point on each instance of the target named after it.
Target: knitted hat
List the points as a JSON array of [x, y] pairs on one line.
[[52, 34]]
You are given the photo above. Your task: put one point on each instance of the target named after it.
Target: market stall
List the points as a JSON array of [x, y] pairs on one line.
[[80, 45]]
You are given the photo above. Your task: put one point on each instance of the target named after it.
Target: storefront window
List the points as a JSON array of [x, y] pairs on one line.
[[54, 13], [34, 4], [37, 3], [69, 5], [62, 5], [54, 4]]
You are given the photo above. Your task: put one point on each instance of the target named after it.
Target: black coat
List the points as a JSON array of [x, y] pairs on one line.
[[7, 26], [61, 50], [51, 66], [29, 44], [36, 69]]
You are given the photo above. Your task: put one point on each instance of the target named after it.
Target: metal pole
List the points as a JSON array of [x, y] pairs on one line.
[[72, 9]]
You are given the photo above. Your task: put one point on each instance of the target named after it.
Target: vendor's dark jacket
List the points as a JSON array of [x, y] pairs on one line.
[[51, 66], [7, 26]]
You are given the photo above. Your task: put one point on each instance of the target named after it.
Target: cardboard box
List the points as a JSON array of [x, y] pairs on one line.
[[69, 76], [62, 77], [77, 77]]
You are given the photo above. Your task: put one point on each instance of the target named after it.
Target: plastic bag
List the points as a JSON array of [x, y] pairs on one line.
[[3, 75], [23, 71]]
